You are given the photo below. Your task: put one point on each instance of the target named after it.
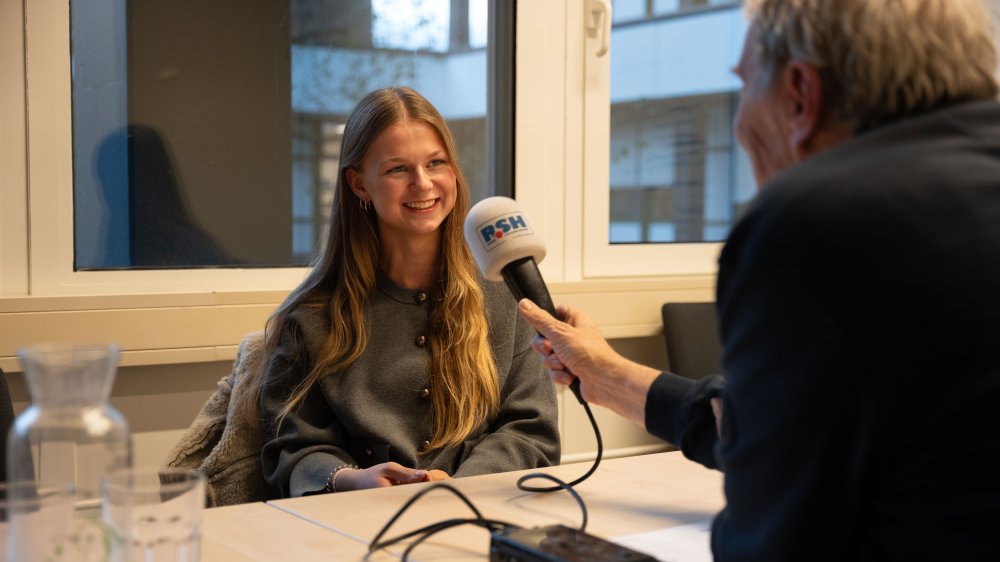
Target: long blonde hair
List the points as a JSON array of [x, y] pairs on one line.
[[464, 388]]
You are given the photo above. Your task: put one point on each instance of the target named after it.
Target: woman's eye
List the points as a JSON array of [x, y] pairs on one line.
[[397, 169], [437, 162]]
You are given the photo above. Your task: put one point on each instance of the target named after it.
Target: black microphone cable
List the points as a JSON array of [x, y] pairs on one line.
[[575, 387], [518, 268], [522, 278], [525, 282], [494, 526]]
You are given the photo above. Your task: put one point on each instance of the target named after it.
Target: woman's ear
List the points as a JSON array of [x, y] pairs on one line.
[[354, 181]]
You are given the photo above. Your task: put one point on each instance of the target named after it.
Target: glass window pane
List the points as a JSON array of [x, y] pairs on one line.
[[410, 24], [631, 10], [206, 132], [477, 23], [677, 172]]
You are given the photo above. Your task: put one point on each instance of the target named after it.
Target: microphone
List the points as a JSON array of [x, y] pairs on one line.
[[507, 248]]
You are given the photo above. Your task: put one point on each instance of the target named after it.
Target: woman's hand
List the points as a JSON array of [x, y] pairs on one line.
[[436, 476], [382, 476]]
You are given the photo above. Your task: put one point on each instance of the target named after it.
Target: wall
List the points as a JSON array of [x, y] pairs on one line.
[[159, 401]]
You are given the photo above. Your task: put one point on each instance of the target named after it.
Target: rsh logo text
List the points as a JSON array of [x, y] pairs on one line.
[[504, 226]]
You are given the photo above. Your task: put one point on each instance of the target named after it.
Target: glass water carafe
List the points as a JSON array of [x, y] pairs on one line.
[[69, 434]]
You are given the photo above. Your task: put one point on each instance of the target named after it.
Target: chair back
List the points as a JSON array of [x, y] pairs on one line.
[[221, 443], [691, 330]]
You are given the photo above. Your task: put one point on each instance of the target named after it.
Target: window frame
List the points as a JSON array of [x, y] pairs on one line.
[[13, 152], [50, 180], [553, 118], [567, 110], [181, 316], [601, 257]]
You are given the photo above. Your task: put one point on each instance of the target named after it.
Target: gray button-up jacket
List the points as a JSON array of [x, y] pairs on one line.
[[378, 409]]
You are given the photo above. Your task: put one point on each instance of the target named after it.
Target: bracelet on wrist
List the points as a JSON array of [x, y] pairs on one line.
[[331, 481]]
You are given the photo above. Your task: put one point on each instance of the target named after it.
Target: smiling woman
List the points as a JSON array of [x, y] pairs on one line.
[[394, 362], [408, 177]]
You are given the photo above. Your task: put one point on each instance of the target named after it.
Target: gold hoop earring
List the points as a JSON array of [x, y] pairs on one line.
[[366, 204]]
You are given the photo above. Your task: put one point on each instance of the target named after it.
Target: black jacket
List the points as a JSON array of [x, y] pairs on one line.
[[859, 303]]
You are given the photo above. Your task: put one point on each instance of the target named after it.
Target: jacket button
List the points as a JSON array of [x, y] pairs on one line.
[[425, 393], [368, 452], [421, 296], [425, 445], [421, 341]]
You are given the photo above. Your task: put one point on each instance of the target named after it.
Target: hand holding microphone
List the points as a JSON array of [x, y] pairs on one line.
[[506, 247], [573, 346]]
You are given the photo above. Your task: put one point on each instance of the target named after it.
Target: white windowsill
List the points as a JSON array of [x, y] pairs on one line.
[[172, 328]]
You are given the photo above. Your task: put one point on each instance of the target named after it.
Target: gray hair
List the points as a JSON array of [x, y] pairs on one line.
[[881, 60]]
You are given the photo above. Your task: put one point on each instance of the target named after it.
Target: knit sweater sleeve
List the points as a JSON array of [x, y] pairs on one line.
[[300, 450]]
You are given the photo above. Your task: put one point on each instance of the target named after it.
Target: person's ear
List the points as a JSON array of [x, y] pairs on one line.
[[355, 183], [804, 87]]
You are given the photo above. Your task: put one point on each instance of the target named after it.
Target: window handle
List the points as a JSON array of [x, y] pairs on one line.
[[599, 23]]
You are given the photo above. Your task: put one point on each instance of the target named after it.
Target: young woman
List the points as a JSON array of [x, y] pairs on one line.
[[394, 362]]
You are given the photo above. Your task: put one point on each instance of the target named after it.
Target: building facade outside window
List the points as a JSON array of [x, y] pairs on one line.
[[677, 173], [206, 134]]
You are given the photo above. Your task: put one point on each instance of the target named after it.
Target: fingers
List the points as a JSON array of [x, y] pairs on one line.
[[552, 363], [385, 475], [561, 377], [541, 345], [436, 476], [555, 367], [400, 474], [575, 317], [415, 476], [541, 321], [565, 313]]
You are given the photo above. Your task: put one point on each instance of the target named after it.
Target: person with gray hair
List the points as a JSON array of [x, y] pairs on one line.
[[857, 296]]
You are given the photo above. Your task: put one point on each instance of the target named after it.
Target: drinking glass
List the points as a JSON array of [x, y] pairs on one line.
[[37, 523], [69, 434], [154, 515]]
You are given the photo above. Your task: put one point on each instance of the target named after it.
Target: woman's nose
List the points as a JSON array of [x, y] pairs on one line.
[[421, 179]]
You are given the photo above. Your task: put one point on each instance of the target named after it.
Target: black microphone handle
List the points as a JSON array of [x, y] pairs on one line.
[[525, 282]]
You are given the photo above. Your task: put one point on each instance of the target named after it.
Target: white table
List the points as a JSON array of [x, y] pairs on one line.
[[259, 532], [624, 496]]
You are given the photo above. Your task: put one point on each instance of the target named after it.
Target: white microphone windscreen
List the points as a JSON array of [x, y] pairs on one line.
[[498, 233]]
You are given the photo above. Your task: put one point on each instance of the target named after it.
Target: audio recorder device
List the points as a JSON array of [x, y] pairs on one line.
[[557, 543]]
